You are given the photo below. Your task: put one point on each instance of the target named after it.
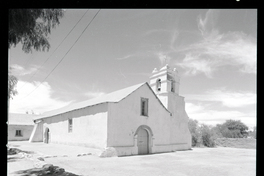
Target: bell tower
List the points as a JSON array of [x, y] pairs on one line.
[[165, 83]]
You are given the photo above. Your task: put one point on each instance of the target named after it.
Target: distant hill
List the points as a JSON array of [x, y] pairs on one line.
[[249, 143]]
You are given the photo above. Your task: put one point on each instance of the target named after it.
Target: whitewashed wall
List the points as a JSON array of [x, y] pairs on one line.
[[124, 120], [89, 127], [25, 130]]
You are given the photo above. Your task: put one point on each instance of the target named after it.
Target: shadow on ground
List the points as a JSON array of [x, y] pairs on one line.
[[13, 159], [41, 172], [14, 151]]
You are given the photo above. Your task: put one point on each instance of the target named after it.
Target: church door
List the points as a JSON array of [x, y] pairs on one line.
[[47, 136], [143, 142]]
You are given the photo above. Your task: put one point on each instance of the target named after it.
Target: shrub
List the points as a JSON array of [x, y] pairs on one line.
[[208, 136], [193, 127], [253, 134], [202, 135], [233, 129]]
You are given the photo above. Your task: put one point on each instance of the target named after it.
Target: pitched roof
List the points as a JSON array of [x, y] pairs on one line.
[[21, 119], [111, 97]]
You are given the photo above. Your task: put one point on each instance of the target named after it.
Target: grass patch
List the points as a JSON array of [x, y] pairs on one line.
[[248, 143]]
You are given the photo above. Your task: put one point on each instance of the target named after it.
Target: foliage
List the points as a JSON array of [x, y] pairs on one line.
[[31, 27], [216, 131], [202, 135], [207, 135], [233, 129], [253, 134], [12, 82], [193, 128]]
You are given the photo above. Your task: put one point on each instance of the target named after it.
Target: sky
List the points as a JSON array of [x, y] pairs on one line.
[[214, 51]]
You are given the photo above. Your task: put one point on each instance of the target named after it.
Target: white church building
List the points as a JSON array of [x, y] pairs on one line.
[[141, 119]]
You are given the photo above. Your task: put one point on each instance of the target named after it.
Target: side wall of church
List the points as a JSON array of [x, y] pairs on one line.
[[89, 127]]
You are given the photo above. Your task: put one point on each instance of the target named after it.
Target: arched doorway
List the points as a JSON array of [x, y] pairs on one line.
[[144, 139], [47, 136], [143, 142]]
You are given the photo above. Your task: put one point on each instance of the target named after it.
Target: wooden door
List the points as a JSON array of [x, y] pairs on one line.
[[48, 136], [143, 142]]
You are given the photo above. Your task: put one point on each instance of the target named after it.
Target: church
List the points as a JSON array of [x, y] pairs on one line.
[[142, 119]]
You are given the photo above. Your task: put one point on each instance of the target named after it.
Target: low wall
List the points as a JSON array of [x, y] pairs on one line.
[[25, 131]]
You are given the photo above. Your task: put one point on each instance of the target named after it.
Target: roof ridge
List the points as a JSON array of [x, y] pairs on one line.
[[115, 96]]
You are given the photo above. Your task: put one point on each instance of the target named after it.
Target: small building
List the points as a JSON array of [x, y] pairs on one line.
[[141, 119], [20, 126]]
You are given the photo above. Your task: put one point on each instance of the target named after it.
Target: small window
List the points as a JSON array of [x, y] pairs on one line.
[[158, 85], [144, 106], [70, 125], [18, 133], [172, 86]]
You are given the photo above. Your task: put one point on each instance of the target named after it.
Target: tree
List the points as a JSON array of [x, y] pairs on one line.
[[207, 135], [253, 133], [31, 27], [233, 129], [12, 81], [202, 135], [194, 130]]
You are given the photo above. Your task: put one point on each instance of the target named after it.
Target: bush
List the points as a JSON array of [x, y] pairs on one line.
[[193, 127], [253, 134], [202, 135], [208, 137], [233, 129]]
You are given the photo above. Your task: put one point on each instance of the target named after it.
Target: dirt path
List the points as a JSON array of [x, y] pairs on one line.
[[199, 162]]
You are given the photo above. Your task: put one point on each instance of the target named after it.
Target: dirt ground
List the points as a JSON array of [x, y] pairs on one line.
[[221, 161]]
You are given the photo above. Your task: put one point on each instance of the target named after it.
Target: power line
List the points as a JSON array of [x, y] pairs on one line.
[[56, 48], [64, 55]]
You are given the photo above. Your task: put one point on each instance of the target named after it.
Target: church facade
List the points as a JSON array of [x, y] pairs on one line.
[[141, 119]]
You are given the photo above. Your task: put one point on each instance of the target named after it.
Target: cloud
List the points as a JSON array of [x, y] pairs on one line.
[[205, 107], [231, 99], [163, 57], [194, 64], [174, 38], [93, 94], [201, 51], [39, 101], [155, 31], [213, 49], [208, 55], [125, 57], [207, 24], [213, 117], [21, 71]]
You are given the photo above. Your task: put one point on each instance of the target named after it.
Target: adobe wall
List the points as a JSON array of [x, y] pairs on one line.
[[125, 118], [25, 130], [181, 133], [89, 127]]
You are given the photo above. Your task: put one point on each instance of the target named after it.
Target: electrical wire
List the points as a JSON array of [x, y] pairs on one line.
[[55, 49], [64, 55]]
